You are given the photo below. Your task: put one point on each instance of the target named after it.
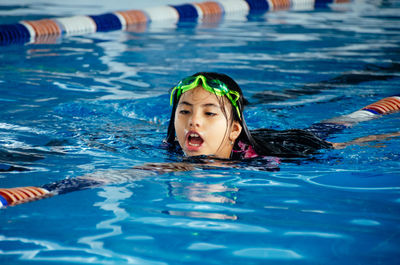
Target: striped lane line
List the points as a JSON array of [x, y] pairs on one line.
[[26, 31], [14, 196], [384, 106]]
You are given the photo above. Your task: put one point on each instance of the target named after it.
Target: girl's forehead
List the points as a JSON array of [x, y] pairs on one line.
[[200, 95]]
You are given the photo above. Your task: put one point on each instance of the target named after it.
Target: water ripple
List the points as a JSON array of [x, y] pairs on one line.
[[201, 225], [202, 246], [208, 207], [264, 182], [314, 234], [365, 222], [268, 253]]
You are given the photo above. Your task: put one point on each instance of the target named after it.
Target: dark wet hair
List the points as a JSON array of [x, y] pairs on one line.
[[266, 142]]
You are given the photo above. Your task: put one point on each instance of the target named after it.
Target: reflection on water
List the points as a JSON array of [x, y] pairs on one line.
[[268, 253], [208, 225], [202, 192], [113, 197], [194, 214]]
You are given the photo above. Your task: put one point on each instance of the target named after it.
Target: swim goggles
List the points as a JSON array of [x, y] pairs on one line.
[[211, 85]]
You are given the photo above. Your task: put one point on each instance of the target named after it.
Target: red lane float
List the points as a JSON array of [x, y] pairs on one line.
[[384, 106], [14, 196]]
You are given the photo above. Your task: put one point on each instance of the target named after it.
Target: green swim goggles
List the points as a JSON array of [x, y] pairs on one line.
[[211, 85]]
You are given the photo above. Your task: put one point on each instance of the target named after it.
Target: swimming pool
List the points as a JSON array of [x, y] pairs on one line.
[[99, 104]]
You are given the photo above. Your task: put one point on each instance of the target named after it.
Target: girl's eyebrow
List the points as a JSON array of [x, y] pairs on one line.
[[210, 105], [203, 105], [185, 103]]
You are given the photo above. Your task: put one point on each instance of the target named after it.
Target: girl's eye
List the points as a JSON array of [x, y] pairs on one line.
[[211, 113], [183, 112]]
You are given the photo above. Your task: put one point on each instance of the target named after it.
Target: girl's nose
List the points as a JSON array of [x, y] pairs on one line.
[[195, 120]]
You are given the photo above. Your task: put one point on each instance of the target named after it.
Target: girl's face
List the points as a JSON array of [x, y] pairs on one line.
[[201, 126]]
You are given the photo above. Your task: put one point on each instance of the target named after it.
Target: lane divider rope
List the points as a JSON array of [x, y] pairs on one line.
[[384, 106], [14, 196], [30, 31], [375, 110]]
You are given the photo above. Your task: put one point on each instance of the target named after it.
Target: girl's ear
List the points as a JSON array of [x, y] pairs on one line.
[[235, 131]]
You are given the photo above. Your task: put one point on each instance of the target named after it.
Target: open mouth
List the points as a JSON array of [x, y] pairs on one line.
[[194, 140]]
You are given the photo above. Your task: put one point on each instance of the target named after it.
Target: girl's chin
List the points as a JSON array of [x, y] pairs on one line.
[[192, 153], [189, 152]]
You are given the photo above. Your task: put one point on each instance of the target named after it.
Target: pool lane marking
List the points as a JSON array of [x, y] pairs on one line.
[[14, 196], [120, 20]]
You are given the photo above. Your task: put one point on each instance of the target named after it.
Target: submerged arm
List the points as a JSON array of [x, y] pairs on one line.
[[18, 195], [366, 139]]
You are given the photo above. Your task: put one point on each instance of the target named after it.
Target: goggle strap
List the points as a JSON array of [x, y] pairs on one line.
[[171, 100]]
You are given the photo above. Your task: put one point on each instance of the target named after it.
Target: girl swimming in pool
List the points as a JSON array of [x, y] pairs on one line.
[[207, 119]]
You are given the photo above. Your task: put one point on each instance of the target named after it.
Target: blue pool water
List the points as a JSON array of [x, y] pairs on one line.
[[99, 104]]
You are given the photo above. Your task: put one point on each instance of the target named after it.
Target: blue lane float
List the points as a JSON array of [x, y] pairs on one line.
[[107, 22], [28, 31], [186, 12], [14, 33], [259, 5]]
